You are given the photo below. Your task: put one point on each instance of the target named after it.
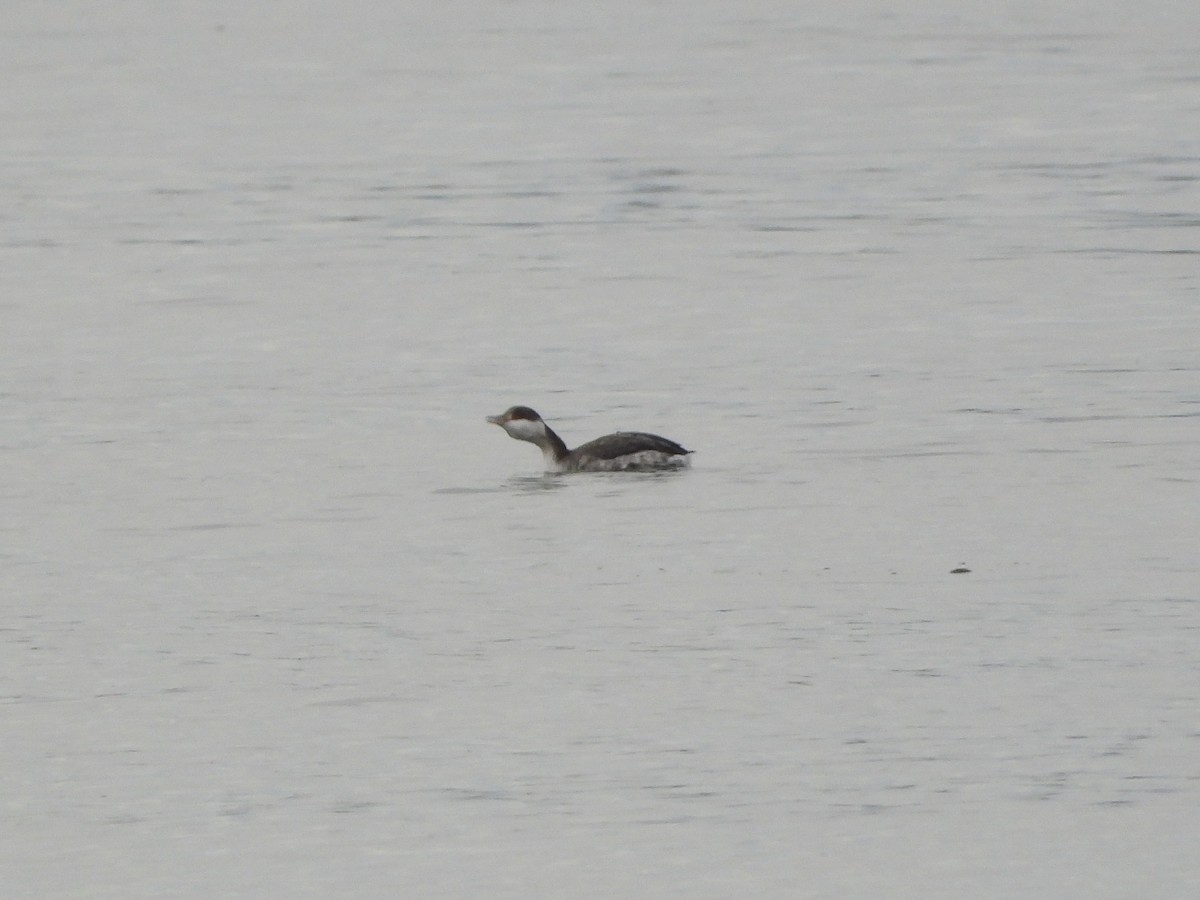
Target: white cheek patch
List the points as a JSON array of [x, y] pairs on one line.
[[524, 429]]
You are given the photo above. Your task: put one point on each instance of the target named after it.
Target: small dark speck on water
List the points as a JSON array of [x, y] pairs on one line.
[[961, 570]]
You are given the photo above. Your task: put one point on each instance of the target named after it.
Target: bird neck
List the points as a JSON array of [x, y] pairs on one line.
[[553, 447]]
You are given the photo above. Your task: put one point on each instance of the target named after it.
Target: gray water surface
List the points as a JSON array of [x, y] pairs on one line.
[[284, 617]]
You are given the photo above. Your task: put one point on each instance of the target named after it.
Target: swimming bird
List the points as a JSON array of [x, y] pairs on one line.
[[624, 451]]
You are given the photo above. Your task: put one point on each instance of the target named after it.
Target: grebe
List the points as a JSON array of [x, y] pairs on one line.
[[625, 451]]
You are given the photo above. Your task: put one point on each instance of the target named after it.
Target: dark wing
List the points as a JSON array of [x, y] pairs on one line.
[[624, 443]]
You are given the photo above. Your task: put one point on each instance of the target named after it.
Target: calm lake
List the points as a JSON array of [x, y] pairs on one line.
[[283, 616]]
